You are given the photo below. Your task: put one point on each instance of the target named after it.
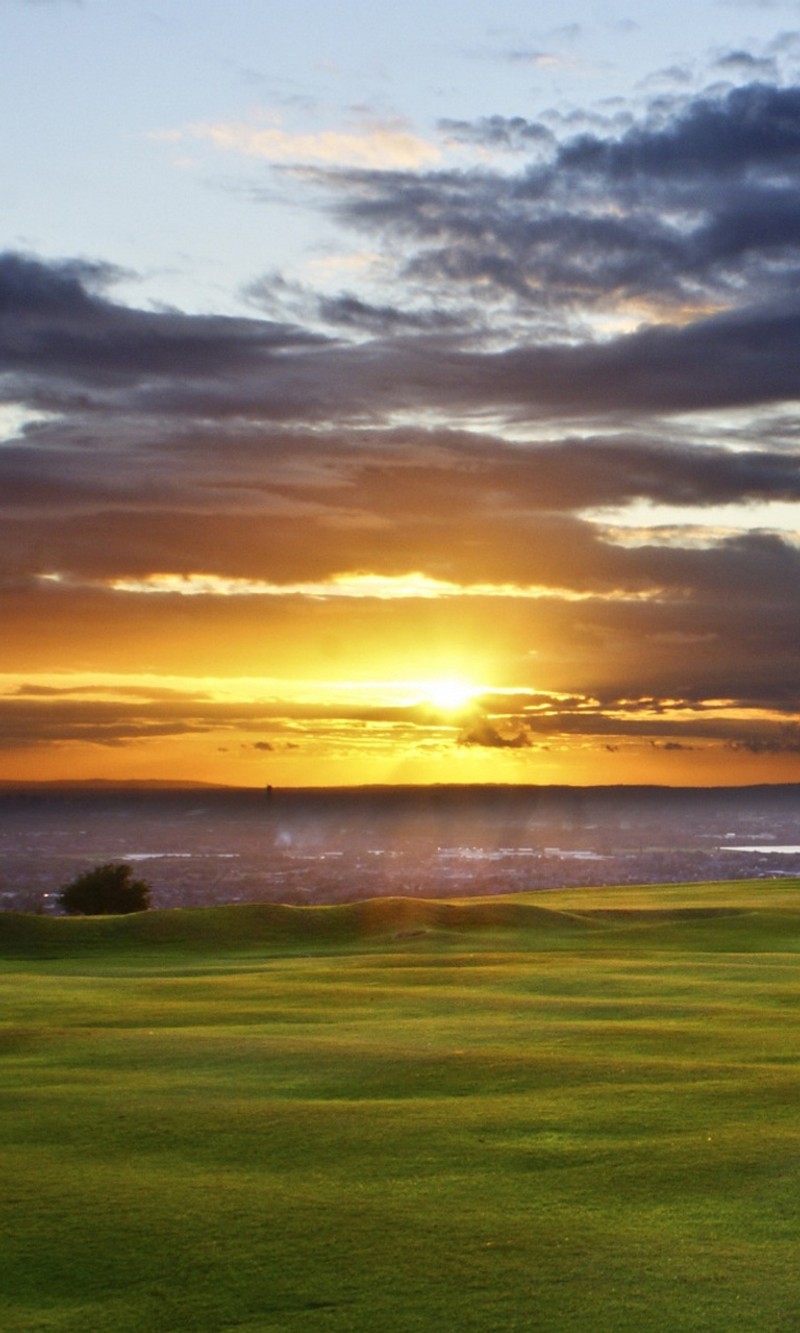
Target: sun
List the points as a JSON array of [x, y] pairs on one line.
[[450, 693]]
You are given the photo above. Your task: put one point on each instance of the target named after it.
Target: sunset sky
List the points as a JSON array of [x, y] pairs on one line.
[[400, 393]]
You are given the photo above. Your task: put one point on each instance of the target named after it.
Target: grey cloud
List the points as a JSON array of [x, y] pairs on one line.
[[74, 352], [755, 127], [747, 358], [701, 197], [44, 720], [55, 326], [744, 62], [785, 42], [274, 295], [514, 133], [786, 741], [488, 735], [332, 475], [667, 734], [114, 725], [289, 506], [681, 75], [352, 312]]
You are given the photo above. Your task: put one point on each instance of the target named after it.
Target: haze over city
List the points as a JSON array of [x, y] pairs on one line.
[[400, 395]]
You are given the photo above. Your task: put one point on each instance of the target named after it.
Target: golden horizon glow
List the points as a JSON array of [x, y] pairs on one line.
[[412, 586], [445, 692]]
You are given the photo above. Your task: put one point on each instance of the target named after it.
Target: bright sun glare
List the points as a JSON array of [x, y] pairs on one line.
[[449, 693]]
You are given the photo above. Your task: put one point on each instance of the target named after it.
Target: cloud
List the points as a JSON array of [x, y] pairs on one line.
[[60, 338], [787, 741], [352, 312], [754, 127], [386, 476], [377, 144], [684, 210], [512, 133], [488, 735], [357, 586], [608, 323], [74, 712], [65, 347], [540, 59], [739, 63]]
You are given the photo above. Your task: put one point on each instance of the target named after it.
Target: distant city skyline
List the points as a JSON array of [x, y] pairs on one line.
[[400, 394]]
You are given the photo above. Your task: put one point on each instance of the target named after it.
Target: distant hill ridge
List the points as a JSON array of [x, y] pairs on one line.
[[110, 784], [394, 805], [379, 788]]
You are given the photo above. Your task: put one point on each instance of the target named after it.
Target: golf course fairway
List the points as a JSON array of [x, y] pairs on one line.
[[576, 1110]]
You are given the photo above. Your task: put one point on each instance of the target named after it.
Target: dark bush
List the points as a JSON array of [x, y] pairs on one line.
[[108, 890]]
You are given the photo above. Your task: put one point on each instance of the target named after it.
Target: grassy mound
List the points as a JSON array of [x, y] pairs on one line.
[[261, 925], [757, 912]]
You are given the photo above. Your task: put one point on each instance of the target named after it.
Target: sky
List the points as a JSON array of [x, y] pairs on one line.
[[400, 394]]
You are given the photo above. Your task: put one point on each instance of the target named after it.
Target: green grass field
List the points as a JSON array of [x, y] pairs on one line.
[[574, 1110]]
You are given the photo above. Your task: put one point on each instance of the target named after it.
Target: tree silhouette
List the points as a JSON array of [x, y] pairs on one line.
[[105, 891]]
